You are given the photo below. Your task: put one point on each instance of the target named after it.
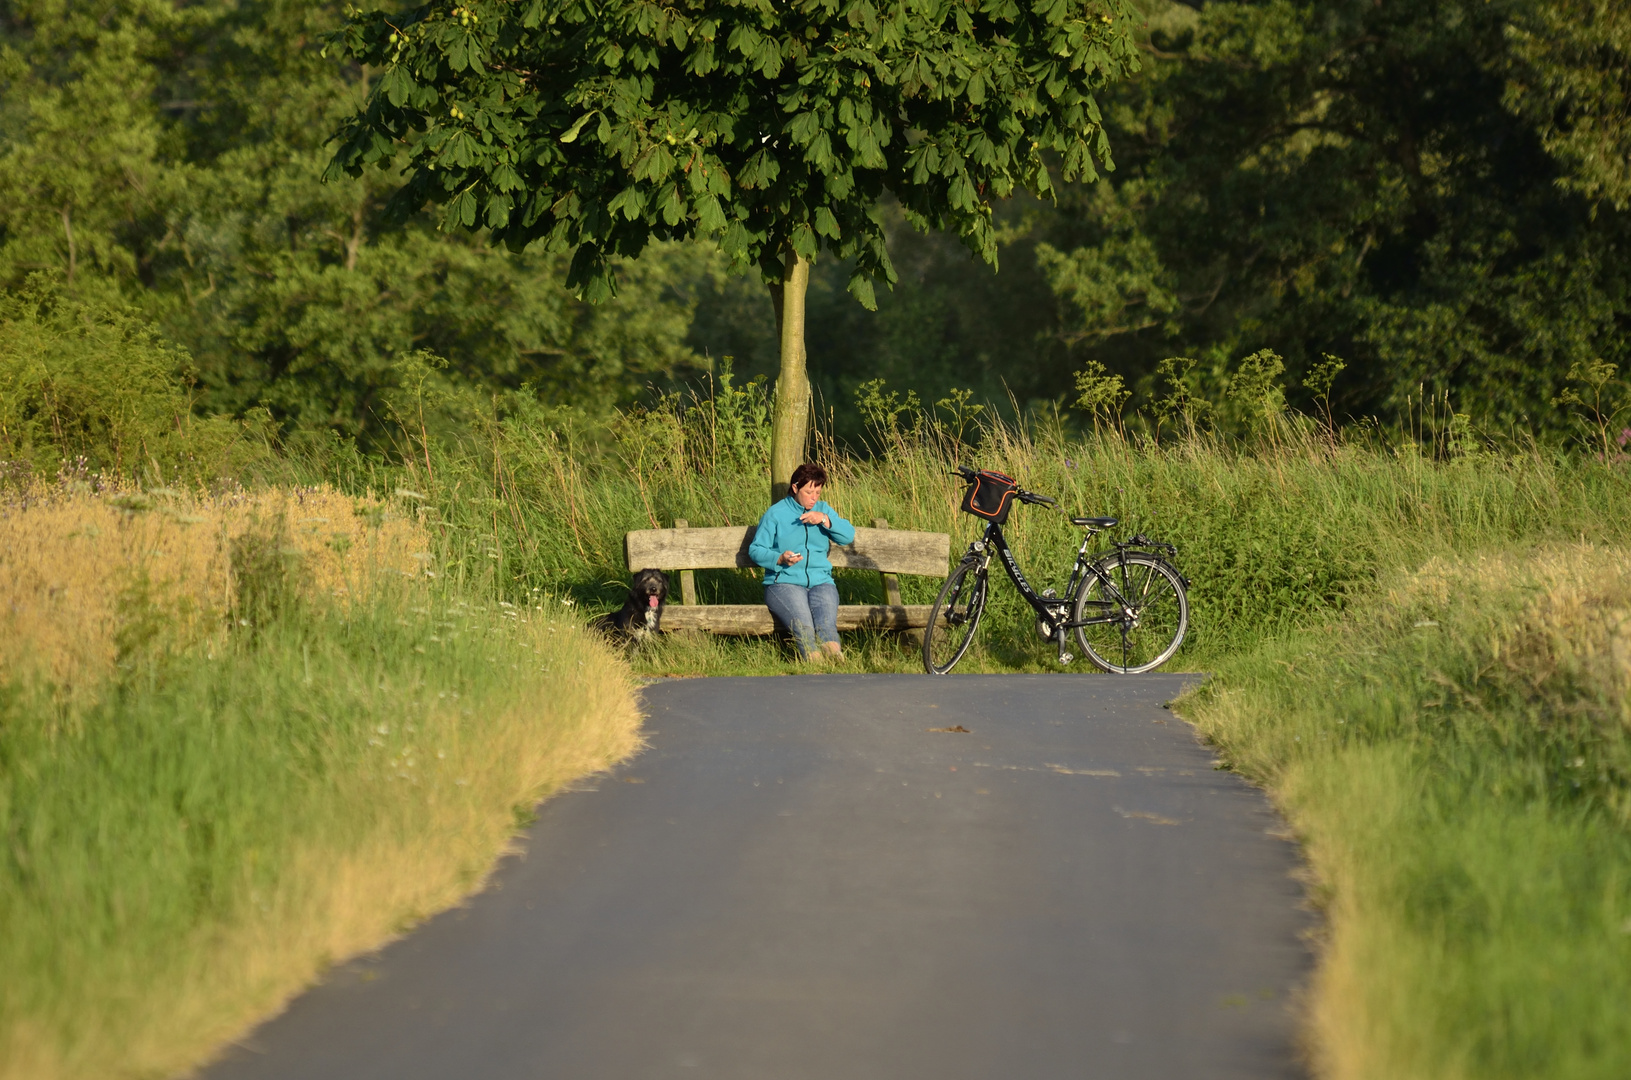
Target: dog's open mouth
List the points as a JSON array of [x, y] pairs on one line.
[[651, 601]]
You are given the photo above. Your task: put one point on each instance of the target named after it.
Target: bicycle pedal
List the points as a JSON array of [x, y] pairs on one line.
[[1065, 658]]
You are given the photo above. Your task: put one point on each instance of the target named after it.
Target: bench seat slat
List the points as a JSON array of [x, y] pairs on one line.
[[892, 551], [749, 619]]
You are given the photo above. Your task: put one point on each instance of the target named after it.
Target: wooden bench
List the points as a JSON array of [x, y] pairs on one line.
[[888, 551]]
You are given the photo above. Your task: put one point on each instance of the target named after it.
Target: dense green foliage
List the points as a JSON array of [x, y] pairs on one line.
[[1434, 192], [1431, 191], [773, 127], [86, 387], [1368, 193], [168, 156]]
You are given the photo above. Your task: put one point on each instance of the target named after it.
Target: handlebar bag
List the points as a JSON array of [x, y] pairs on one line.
[[990, 496]]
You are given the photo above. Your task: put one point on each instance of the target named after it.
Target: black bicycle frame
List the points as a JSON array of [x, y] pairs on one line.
[[1051, 609]]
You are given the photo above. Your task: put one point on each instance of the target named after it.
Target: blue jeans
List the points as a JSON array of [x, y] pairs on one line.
[[809, 615]]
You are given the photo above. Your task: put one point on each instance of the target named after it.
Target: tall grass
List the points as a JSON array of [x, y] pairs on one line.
[[1456, 755], [1273, 533], [252, 735], [91, 578]]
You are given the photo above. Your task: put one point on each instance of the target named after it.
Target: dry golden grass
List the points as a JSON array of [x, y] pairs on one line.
[[70, 559], [431, 718], [427, 854]]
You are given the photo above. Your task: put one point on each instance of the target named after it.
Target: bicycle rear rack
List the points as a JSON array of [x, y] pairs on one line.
[[1140, 542]]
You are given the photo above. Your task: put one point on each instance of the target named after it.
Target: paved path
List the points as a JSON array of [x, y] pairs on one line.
[[800, 881]]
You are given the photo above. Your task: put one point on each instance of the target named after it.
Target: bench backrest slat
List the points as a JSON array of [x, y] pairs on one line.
[[889, 550]]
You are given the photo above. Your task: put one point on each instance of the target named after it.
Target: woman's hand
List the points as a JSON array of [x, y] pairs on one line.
[[789, 558], [815, 517]]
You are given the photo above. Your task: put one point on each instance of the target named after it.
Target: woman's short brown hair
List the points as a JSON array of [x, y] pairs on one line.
[[807, 473]]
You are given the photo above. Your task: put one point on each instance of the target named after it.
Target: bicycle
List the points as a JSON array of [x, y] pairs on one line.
[[1128, 605]]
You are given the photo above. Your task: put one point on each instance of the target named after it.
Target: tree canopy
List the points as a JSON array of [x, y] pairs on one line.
[[774, 127], [1435, 191]]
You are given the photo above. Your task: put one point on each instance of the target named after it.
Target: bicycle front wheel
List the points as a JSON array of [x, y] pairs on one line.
[[954, 618], [1145, 610]]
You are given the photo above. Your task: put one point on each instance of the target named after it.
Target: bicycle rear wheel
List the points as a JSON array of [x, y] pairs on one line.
[[954, 618], [1147, 612]]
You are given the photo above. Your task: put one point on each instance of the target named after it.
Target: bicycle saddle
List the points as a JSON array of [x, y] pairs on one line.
[[1097, 523]]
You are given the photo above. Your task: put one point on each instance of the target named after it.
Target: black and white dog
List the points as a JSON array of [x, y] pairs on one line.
[[642, 612]]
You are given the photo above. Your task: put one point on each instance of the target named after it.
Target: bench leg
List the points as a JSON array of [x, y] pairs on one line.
[[891, 593], [688, 578]]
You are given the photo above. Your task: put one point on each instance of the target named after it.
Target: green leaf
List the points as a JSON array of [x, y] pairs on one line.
[[804, 241], [498, 211], [504, 178], [672, 205], [760, 171], [825, 224], [572, 132], [710, 217], [630, 202], [396, 84], [860, 287], [805, 127]]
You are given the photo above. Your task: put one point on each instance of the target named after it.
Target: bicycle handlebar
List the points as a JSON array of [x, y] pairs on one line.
[[1024, 496]]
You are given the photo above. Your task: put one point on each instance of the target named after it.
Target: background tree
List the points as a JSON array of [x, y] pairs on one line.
[[167, 157], [1432, 190], [774, 127], [1571, 76]]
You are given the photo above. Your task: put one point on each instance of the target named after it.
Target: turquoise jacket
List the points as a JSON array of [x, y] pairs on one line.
[[780, 530]]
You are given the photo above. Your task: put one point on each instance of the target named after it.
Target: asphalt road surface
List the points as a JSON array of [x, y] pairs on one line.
[[809, 878]]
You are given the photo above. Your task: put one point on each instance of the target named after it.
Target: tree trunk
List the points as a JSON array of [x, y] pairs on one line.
[[792, 420]]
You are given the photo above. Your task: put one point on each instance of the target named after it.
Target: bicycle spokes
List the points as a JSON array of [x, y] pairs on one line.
[[954, 618], [1137, 613]]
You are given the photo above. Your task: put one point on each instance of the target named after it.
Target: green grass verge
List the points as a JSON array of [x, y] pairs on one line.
[[1273, 536], [1456, 757], [181, 855]]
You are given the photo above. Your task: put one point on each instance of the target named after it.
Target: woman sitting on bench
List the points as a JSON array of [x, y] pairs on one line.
[[791, 543]]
